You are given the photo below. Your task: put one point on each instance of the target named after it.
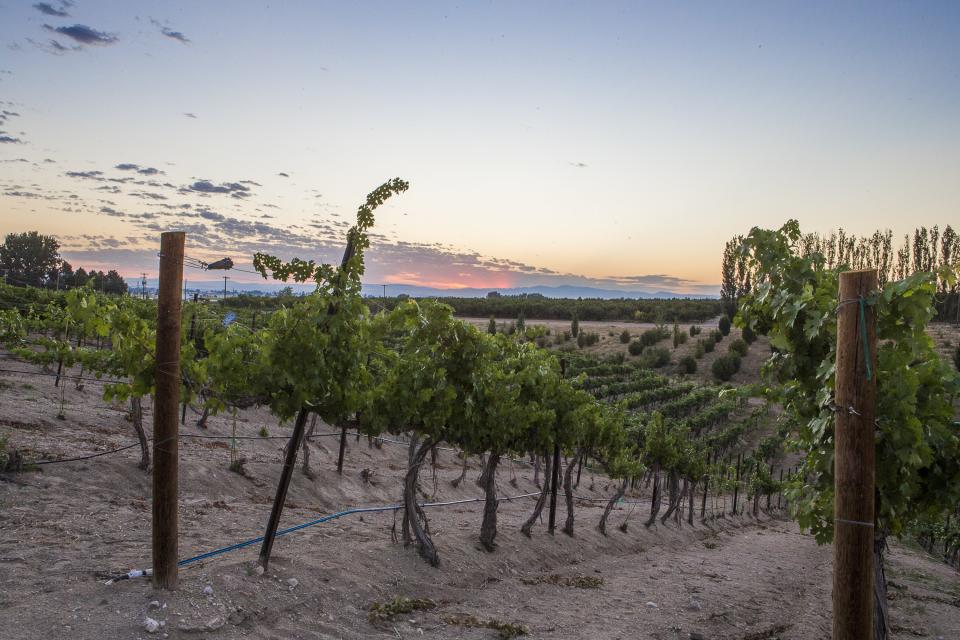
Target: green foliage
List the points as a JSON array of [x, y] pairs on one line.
[[29, 258], [521, 323], [575, 326], [699, 350], [625, 336], [956, 357], [679, 337], [708, 344], [724, 325], [695, 330], [917, 440], [748, 335], [492, 326], [738, 347], [651, 337], [724, 367], [687, 364], [635, 348], [655, 357]]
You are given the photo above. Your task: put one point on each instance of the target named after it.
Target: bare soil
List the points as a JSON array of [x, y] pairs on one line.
[[63, 525]]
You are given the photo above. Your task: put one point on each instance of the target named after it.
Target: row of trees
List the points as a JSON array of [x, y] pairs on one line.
[[30, 259], [925, 251]]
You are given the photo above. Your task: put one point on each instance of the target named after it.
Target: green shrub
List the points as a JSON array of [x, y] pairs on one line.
[[581, 340], [725, 366], [635, 348], [956, 357], [618, 358], [522, 323], [625, 336], [708, 344], [651, 337], [492, 326], [748, 335], [738, 347], [724, 325], [679, 337], [575, 326], [655, 357], [717, 335], [687, 364], [695, 330], [699, 350]]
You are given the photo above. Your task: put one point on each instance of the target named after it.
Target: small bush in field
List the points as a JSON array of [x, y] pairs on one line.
[[748, 335], [724, 325], [625, 336], [655, 357], [695, 330], [635, 348], [738, 347], [687, 364], [699, 350], [725, 366], [708, 344]]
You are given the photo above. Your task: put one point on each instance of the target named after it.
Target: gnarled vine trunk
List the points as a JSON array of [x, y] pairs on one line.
[[414, 517], [136, 417], [488, 529], [613, 501], [536, 471], [463, 471], [541, 499], [692, 486], [306, 447], [655, 499], [674, 500], [568, 491]]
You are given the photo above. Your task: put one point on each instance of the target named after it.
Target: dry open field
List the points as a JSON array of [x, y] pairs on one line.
[[62, 526]]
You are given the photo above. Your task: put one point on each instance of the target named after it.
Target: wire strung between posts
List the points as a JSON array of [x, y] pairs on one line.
[[856, 522]]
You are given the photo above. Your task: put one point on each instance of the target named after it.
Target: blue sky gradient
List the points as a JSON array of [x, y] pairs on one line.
[[614, 144]]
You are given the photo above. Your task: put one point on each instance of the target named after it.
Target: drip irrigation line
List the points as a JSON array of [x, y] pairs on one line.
[[137, 573]]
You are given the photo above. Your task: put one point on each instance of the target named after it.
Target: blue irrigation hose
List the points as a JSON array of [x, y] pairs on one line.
[[137, 573]]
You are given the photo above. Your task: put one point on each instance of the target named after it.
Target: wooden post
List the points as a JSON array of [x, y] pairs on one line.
[[736, 486], [855, 398], [165, 405], [290, 459]]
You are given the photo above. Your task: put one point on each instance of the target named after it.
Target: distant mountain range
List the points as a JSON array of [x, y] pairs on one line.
[[375, 290]]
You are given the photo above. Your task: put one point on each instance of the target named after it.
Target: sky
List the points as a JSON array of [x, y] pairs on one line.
[[607, 144]]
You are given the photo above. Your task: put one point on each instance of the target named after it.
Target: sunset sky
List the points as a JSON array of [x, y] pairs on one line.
[[609, 144]]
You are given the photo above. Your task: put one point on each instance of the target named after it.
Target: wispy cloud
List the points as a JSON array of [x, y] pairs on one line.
[[234, 189], [170, 33], [145, 171], [84, 34], [50, 10], [190, 115], [5, 139]]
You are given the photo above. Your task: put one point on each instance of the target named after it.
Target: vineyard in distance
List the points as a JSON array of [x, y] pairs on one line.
[[481, 469]]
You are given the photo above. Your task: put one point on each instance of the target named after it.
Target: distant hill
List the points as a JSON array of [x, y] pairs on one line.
[[375, 290]]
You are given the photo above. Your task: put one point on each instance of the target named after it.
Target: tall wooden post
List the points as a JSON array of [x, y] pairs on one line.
[[855, 398], [166, 401]]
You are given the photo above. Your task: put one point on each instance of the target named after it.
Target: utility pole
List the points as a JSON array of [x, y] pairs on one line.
[[166, 401], [143, 285], [855, 398]]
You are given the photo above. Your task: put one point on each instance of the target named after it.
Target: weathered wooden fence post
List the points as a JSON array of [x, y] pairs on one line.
[[165, 406], [855, 400]]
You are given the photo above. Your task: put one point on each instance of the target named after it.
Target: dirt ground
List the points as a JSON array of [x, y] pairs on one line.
[[62, 526]]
